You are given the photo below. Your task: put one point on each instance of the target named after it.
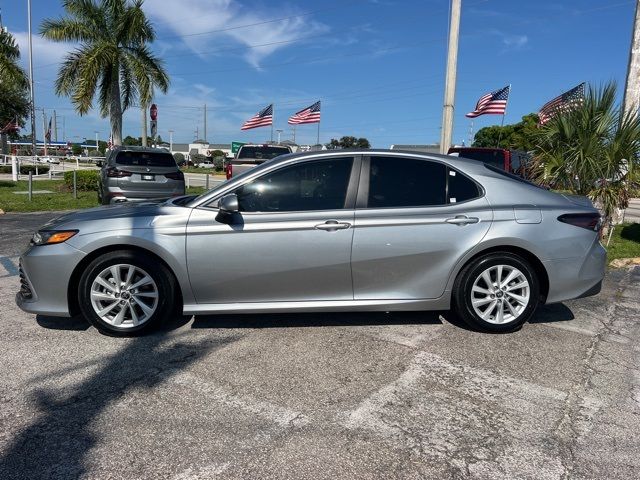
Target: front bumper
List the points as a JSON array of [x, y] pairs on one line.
[[45, 272]]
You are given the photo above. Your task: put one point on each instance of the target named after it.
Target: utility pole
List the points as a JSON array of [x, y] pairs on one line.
[[96, 132], [170, 140], [197, 133], [205, 123], [44, 130], [55, 126], [143, 109], [279, 130], [450, 80], [33, 101], [632, 86]]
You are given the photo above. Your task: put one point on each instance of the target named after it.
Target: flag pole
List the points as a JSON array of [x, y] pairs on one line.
[[272, 115], [502, 123]]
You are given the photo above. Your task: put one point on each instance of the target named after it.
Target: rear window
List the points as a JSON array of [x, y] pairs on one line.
[[262, 153], [489, 157], [146, 159]]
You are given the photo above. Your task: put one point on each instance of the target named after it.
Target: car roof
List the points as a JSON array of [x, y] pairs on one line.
[[135, 148]]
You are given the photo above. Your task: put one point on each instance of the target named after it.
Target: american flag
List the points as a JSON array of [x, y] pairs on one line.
[[261, 119], [492, 103], [308, 115], [562, 103], [11, 127], [48, 134]]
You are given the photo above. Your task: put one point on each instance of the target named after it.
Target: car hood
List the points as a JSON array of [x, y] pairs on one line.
[[118, 217]]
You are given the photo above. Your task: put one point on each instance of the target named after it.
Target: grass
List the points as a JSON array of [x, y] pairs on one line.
[[60, 198], [625, 242], [210, 171]]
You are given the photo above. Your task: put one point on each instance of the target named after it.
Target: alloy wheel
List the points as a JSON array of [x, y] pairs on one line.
[[500, 294], [124, 296]]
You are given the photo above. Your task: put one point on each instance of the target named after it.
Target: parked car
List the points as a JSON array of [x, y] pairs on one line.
[[512, 161], [132, 174], [206, 164], [250, 156], [332, 231]]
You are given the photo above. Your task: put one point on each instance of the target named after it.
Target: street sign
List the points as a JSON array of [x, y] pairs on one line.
[[235, 146], [153, 111]]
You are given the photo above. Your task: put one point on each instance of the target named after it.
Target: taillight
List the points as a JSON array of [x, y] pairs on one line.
[[229, 170], [175, 175], [117, 173], [590, 221]]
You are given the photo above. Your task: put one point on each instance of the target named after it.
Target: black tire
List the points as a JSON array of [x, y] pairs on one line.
[[165, 284], [463, 293]]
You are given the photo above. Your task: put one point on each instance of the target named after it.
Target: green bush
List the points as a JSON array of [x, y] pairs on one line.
[[5, 169], [179, 158], [86, 180], [25, 169]]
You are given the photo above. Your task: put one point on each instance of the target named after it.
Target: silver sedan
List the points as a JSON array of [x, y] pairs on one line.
[[323, 231]]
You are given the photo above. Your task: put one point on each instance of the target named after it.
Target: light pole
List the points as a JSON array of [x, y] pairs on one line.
[[33, 102], [279, 130], [450, 79], [171, 140], [96, 132]]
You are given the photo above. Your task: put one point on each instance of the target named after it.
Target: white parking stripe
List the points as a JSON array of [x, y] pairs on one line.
[[9, 266], [281, 416]]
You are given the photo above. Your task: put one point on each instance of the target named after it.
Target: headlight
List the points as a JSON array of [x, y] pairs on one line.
[[49, 237]]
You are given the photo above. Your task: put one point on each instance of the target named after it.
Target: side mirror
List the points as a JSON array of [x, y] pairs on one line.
[[228, 208]]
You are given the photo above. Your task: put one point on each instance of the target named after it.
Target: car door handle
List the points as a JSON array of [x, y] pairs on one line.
[[462, 220], [332, 225]]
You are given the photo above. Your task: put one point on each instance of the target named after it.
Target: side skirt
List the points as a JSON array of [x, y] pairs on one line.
[[442, 303]]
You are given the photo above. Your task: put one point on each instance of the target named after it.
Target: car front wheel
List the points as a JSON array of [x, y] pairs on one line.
[[125, 293], [497, 292]]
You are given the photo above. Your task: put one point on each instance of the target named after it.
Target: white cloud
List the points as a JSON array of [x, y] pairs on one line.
[[45, 52], [224, 17], [515, 41]]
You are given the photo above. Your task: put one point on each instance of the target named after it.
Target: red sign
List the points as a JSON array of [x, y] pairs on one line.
[[154, 111]]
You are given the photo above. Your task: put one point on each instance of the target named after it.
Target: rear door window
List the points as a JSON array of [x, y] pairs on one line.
[[146, 159], [406, 182], [461, 188]]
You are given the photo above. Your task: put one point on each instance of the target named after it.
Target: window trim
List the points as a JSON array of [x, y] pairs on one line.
[[350, 198], [363, 190]]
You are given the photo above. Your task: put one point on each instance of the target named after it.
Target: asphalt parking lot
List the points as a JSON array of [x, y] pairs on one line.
[[321, 396]]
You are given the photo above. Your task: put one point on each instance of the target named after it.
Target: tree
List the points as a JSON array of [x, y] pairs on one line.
[[132, 141], [592, 150], [113, 60], [348, 142], [518, 136], [14, 99]]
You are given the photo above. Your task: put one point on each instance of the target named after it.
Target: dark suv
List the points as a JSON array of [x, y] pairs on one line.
[[139, 173]]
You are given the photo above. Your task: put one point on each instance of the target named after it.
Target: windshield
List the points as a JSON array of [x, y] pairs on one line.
[[262, 153], [146, 159]]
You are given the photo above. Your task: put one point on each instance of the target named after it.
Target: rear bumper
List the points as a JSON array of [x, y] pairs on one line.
[[578, 277]]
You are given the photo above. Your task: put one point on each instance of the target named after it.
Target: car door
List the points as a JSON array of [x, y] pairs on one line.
[[291, 241], [414, 219]]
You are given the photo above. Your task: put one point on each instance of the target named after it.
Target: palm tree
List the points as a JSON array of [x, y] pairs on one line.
[[10, 71], [113, 59], [592, 149], [14, 102]]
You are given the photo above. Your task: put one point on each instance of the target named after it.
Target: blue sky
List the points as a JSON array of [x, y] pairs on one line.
[[377, 65]]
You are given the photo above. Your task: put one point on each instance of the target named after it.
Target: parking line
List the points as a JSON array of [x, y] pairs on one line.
[[9, 266]]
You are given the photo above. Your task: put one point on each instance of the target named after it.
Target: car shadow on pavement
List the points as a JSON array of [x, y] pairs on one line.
[[324, 319], [77, 323], [56, 442], [555, 312]]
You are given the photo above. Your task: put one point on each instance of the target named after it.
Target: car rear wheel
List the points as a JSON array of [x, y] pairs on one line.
[[497, 292], [125, 293]]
